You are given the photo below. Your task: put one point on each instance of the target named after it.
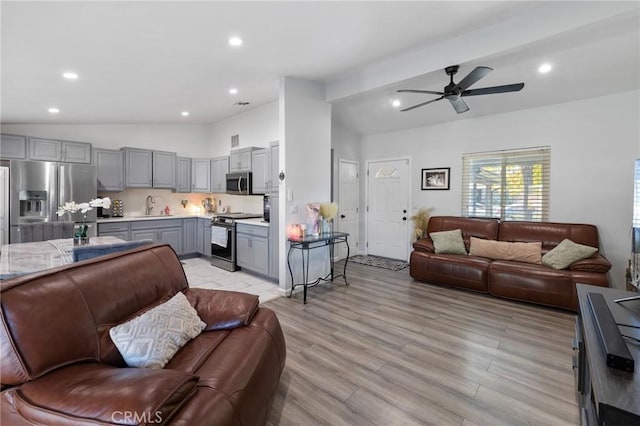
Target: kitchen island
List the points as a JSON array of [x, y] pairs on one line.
[[25, 258]]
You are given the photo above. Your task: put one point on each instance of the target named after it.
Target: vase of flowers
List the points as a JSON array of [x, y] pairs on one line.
[[328, 211], [80, 236]]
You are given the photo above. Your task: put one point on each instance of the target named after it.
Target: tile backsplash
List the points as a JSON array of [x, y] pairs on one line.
[[134, 201]]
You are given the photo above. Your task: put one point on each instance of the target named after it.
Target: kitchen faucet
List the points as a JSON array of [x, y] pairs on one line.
[[150, 203]]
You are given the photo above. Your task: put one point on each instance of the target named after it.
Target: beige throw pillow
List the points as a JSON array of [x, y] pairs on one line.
[[448, 242], [567, 252], [153, 338], [504, 250]]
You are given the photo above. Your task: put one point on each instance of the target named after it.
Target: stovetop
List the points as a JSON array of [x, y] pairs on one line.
[[236, 215]]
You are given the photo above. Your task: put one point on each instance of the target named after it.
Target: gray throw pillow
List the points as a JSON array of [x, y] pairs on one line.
[[153, 338], [448, 242], [567, 252]]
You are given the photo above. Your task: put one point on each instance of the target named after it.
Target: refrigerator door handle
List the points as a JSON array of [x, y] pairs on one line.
[[62, 190]]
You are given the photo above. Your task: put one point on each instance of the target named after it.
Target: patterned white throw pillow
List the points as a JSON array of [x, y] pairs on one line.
[[153, 338]]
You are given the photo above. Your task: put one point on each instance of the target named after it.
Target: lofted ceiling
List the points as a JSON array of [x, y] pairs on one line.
[[146, 62]]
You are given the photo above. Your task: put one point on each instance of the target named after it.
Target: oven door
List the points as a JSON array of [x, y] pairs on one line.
[[223, 241]]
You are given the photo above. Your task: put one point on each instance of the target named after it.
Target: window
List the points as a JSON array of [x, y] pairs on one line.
[[636, 195], [509, 185]]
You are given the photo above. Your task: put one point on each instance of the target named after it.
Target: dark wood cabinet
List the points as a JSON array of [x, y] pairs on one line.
[[606, 396]]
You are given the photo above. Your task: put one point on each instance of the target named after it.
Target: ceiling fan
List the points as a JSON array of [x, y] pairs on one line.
[[454, 92]]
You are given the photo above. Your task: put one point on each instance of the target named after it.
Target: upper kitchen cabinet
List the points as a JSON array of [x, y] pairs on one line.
[[273, 183], [259, 170], [138, 168], [183, 175], [201, 175], [164, 169], [55, 150], [219, 170], [13, 147], [110, 165], [240, 160]]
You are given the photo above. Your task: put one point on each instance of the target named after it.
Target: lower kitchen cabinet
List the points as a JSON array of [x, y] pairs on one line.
[[203, 237], [274, 243], [114, 229], [252, 247], [160, 231], [189, 229]]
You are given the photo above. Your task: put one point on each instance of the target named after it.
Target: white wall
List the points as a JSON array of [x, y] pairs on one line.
[[305, 151], [256, 127], [593, 145], [189, 140]]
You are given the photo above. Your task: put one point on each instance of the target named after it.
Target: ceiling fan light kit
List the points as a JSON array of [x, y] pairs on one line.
[[455, 92]]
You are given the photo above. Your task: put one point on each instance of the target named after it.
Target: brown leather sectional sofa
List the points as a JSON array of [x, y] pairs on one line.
[[513, 280], [60, 367]]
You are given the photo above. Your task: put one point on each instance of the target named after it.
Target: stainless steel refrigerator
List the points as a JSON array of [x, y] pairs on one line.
[[38, 188]]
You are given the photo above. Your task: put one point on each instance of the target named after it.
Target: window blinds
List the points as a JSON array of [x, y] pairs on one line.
[[509, 185]]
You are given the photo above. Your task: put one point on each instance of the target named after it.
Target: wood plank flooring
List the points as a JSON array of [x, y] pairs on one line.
[[388, 350]]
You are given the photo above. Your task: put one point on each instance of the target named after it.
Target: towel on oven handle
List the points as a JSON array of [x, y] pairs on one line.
[[219, 236]]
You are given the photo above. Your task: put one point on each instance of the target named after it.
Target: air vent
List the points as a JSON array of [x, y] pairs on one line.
[[235, 141], [241, 103]]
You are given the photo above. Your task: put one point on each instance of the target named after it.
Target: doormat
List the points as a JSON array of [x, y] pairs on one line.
[[379, 262]]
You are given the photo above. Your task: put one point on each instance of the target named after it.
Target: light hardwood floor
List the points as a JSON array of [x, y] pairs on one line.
[[388, 350]]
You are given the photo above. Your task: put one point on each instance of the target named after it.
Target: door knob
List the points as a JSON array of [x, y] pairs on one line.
[[404, 218], [342, 216], [404, 211]]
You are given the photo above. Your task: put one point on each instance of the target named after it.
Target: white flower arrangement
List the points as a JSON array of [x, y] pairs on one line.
[[73, 207]]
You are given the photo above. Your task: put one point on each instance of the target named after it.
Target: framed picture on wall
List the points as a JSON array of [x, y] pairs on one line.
[[435, 178]]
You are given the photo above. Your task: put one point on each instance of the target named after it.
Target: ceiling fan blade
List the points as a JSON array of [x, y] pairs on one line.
[[458, 104], [429, 92], [422, 104], [473, 77], [495, 89]]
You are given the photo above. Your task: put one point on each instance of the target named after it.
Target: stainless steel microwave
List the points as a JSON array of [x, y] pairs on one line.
[[239, 183]]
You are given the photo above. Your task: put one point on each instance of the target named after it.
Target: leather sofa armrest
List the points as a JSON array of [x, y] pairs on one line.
[[424, 244], [223, 310], [596, 263], [91, 393]]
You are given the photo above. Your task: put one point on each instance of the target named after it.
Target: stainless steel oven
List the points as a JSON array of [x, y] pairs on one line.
[[223, 239]]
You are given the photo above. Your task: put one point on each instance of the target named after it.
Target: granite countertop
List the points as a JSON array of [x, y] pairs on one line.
[[158, 217], [258, 221]]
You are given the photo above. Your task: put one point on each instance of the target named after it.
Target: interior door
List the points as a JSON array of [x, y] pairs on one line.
[[348, 219], [388, 207]]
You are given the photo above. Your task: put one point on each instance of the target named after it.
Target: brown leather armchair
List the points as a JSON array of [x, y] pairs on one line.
[[59, 365]]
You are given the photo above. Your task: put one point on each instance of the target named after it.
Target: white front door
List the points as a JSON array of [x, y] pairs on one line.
[[388, 207], [348, 200]]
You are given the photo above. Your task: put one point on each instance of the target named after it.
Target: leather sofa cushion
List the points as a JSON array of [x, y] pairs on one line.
[[503, 250], [595, 263], [86, 393], [550, 233], [455, 269], [223, 310]]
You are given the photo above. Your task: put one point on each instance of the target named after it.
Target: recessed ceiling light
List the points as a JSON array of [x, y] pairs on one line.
[[233, 90], [185, 113], [396, 103], [53, 110], [69, 75], [235, 41], [544, 68]]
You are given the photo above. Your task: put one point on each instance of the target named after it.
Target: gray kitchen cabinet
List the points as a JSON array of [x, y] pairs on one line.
[[274, 232], [55, 150], [164, 169], [13, 147], [259, 171], [273, 180], [240, 160], [183, 174], [114, 229], [76, 152], [201, 175], [219, 170], [110, 166], [160, 231], [252, 247], [138, 169], [203, 236], [189, 229], [45, 149]]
